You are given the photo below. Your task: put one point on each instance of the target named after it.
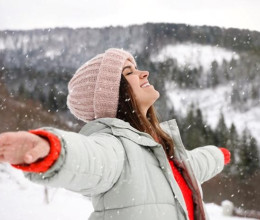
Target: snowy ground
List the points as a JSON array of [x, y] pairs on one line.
[[21, 199]]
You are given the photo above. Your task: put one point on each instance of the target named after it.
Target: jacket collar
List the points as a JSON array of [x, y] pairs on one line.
[[121, 128]]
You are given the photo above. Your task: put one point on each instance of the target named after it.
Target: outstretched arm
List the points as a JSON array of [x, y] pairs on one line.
[[86, 164], [208, 161]]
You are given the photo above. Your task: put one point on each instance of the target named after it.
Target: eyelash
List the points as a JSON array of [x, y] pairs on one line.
[[130, 72]]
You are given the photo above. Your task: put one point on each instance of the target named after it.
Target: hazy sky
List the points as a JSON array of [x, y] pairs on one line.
[[30, 14]]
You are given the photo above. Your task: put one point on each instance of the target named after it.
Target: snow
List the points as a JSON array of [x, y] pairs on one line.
[[212, 102], [22, 42], [195, 55], [21, 199], [28, 200], [2, 46], [7, 43], [52, 54], [215, 213]]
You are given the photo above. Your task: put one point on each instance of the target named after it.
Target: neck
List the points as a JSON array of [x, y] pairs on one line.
[[144, 111]]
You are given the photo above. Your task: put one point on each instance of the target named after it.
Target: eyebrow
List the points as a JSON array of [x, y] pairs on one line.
[[127, 67]]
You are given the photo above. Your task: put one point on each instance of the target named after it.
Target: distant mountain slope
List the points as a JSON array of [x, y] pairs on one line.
[[213, 101], [48, 49], [195, 55]]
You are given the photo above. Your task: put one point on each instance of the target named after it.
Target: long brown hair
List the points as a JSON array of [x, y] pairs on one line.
[[129, 111]]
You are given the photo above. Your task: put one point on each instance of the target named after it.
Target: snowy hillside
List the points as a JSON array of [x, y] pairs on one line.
[[195, 55], [211, 101], [29, 201]]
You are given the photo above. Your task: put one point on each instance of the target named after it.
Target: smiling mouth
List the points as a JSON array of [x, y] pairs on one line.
[[145, 85]]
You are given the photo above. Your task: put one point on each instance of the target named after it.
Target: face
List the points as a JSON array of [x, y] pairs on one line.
[[144, 93]]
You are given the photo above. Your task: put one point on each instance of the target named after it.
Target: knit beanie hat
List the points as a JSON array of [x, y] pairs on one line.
[[94, 88]]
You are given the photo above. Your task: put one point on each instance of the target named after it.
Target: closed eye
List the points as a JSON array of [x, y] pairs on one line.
[[129, 73]]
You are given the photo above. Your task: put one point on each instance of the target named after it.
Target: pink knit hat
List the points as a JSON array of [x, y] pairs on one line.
[[94, 88]]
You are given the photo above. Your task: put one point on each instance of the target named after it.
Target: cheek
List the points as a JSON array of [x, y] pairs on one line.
[[137, 92], [133, 83]]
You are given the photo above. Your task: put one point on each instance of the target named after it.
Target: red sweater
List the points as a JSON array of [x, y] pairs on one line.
[[45, 163], [186, 191]]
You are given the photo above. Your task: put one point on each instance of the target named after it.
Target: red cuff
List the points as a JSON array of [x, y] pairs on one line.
[[227, 154], [44, 164]]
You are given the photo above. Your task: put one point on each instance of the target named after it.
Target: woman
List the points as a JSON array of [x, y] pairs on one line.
[[132, 166]]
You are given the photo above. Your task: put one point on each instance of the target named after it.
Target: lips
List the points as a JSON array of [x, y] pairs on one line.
[[145, 84]]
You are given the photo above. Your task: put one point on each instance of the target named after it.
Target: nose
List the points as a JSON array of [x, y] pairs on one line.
[[144, 74]]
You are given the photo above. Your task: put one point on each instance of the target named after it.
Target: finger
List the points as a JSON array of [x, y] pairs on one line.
[[34, 154], [5, 138], [2, 152], [2, 159]]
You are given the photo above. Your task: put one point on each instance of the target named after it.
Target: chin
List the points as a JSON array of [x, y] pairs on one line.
[[157, 94], [156, 97]]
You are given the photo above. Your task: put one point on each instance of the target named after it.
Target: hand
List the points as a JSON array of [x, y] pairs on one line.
[[22, 147]]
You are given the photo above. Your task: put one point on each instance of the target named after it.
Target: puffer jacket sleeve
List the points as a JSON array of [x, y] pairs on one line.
[[87, 164], [206, 162]]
